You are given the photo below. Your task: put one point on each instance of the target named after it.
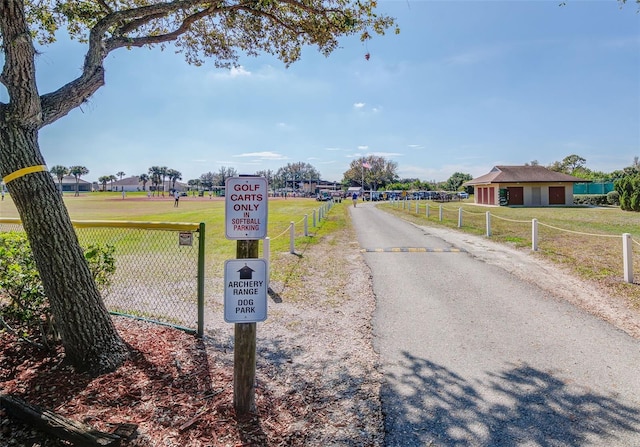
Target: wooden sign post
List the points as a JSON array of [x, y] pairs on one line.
[[244, 351], [245, 221]]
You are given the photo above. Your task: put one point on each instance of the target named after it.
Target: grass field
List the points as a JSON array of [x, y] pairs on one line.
[[586, 240]]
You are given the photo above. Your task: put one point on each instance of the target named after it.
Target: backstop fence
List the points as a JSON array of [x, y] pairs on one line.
[[159, 273]]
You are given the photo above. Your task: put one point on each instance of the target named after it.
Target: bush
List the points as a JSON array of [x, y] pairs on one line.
[[23, 301], [590, 199], [613, 198]]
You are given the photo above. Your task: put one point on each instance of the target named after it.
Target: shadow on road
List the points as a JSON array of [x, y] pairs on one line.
[[429, 405]]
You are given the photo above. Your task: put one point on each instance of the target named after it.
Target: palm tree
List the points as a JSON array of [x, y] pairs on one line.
[[120, 175], [154, 173], [144, 178], [173, 177], [195, 185], [112, 178], [59, 171], [104, 179], [77, 172], [163, 173]]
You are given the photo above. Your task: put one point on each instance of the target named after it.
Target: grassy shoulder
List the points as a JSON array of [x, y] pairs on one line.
[[586, 240]]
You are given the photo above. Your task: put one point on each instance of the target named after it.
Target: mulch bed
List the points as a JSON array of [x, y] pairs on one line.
[[174, 388]]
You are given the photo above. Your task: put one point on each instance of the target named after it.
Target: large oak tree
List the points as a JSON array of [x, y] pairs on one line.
[[371, 172], [217, 30]]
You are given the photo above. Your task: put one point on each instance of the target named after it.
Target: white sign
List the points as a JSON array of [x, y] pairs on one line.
[[245, 290], [185, 238], [246, 208]]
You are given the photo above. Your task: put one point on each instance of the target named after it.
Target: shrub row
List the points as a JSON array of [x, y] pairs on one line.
[[611, 198], [23, 304]]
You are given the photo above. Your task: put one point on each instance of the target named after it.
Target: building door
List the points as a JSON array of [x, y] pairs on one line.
[[536, 196], [492, 195], [556, 195], [516, 195]]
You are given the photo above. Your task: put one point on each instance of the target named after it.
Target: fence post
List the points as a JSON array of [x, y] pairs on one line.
[[306, 225], [427, 211], [460, 217], [627, 255], [417, 207], [534, 234], [201, 248], [314, 219], [440, 213], [488, 220], [292, 238]]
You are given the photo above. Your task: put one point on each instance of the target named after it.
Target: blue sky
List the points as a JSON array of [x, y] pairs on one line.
[[467, 85]]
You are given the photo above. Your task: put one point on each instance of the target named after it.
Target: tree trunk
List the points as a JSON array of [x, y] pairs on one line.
[[89, 337]]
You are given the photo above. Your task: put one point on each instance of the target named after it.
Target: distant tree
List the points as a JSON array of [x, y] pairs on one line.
[[269, 175], [573, 162], [399, 186], [295, 174], [568, 165], [454, 183], [112, 178], [155, 174], [77, 172], [194, 184], [59, 171], [174, 176], [223, 174], [103, 181], [120, 175], [163, 171], [372, 171], [207, 180], [144, 178]]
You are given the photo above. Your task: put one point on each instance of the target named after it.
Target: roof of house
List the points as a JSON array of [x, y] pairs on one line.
[[134, 181], [523, 174], [69, 179]]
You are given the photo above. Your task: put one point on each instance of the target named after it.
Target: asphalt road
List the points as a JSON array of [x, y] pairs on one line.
[[473, 356]]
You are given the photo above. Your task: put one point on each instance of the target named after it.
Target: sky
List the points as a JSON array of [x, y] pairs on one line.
[[465, 86]]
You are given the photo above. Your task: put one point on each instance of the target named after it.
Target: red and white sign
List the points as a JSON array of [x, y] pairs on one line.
[[246, 201]]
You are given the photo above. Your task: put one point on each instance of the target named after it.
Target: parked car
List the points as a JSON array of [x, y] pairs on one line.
[[463, 195]]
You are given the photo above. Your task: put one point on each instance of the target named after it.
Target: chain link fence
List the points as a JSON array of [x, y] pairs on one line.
[[159, 273]]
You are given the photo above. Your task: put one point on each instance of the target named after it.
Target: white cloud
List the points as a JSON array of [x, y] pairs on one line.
[[359, 105], [363, 148], [239, 71], [266, 155], [386, 154], [233, 72]]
